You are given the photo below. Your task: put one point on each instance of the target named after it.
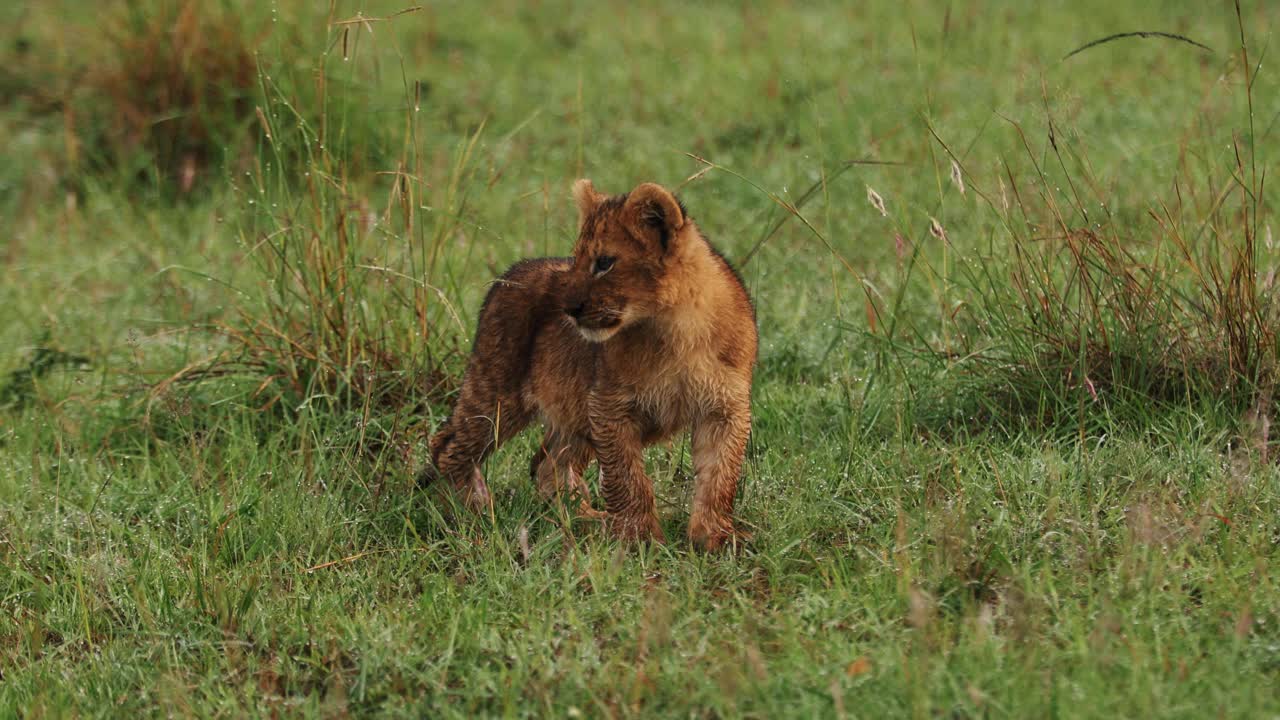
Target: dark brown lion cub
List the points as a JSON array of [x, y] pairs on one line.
[[645, 332]]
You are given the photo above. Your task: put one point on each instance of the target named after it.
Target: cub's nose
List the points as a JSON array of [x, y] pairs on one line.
[[574, 311]]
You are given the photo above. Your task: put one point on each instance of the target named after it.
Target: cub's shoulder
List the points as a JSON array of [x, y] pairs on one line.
[[734, 278]]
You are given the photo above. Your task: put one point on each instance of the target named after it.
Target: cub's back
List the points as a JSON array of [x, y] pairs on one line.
[[519, 304]]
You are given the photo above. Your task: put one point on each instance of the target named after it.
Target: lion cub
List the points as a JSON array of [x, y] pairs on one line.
[[645, 332]]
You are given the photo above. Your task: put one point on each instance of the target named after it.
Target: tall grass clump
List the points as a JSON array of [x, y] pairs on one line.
[[341, 311], [1075, 317]]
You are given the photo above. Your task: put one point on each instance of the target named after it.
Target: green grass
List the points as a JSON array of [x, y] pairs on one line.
[[197, 521]]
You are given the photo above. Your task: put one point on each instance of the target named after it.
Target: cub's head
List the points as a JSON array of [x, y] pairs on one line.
[[625, 245]]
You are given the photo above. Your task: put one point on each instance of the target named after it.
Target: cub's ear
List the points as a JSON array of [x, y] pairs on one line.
[[652, 207], [585, 195]]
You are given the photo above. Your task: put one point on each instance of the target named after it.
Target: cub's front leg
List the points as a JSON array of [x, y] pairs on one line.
[[719, 446], [628, 491]]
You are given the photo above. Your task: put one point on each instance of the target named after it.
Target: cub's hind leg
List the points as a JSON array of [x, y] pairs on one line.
[[474, 430], [557, 468], [491, 407]]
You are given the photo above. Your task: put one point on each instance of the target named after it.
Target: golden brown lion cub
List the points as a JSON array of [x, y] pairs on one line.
[[644, 332]]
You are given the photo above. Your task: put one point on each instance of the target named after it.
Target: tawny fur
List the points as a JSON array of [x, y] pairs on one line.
[[644, 333]]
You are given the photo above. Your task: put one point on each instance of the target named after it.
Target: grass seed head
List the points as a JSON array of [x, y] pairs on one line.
[[957, 177], [936, 229], [876, 201]]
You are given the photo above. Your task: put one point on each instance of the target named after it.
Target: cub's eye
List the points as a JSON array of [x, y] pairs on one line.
[[603, 264]]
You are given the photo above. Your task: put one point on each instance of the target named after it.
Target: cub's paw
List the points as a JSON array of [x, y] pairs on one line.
[[475, 494], [634, 530], [710, 537], [472, 493], [586, 512]]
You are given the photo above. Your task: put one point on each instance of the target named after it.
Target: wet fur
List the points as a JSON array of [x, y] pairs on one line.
[[661, 342]]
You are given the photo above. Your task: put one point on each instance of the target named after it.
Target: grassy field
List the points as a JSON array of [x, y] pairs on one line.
[[1011, 454]]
